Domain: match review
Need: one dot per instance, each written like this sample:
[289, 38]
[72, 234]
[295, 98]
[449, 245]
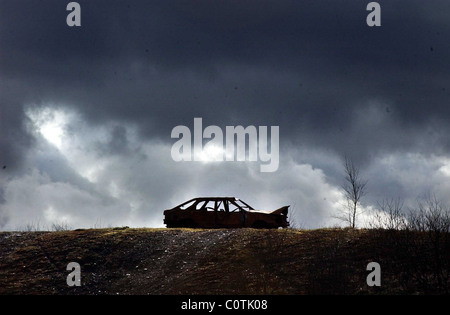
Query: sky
[86, 113]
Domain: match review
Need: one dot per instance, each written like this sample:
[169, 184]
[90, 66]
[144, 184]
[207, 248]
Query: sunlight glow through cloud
[50, 123]
[211, 153]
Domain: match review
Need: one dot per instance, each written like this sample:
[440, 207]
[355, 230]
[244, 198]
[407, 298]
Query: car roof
[216, 199]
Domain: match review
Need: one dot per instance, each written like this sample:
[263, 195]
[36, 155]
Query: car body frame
[223, 212]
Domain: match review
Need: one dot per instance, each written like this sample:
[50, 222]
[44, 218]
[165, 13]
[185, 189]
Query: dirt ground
[195, 261]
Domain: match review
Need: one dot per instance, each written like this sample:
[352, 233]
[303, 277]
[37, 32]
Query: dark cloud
[314, 68]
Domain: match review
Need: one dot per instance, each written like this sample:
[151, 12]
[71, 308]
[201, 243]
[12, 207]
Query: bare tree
[389, 215]
[429, 245]
[293, 223]
[354, 189]
[60, 226]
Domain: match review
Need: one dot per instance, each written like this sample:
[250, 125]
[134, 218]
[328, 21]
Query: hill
[196, 261]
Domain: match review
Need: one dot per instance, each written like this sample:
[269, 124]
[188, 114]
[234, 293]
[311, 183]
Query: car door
[228, 215]
[203, 214]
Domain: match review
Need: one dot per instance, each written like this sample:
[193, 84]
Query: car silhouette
[223, 212]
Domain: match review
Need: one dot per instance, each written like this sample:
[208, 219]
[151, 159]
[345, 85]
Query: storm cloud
[86, 112]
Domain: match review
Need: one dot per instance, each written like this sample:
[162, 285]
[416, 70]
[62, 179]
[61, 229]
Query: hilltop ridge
[196, 261]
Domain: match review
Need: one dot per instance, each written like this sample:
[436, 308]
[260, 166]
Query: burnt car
[223, 212]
